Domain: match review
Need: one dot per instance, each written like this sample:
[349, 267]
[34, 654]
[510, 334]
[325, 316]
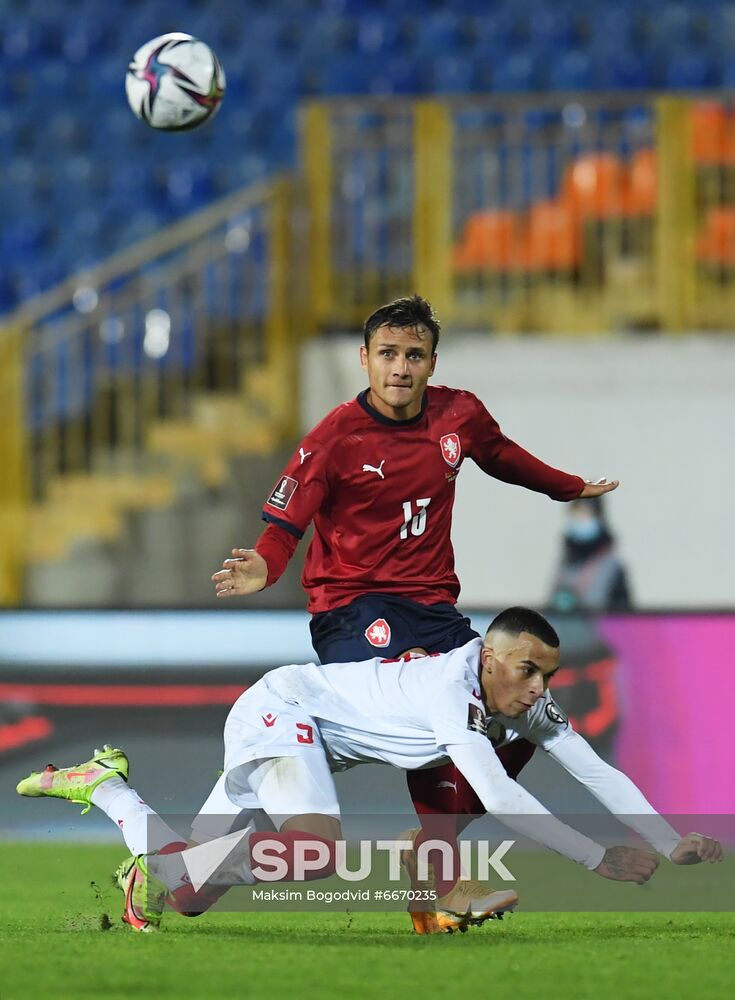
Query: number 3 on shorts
[304, 733]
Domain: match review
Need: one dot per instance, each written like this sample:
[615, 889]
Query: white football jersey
[403, 712]
[414, 713]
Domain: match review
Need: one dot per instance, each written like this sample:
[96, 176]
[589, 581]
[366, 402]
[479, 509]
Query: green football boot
[76, 784]
[144, 895]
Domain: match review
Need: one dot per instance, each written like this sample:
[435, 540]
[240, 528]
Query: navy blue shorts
[385, 625]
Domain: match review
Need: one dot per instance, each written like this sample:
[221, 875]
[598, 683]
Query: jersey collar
[372, 412]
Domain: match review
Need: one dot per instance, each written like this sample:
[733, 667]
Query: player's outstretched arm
[696, 848]
[245, 573]
[598, 488]
[627, 864]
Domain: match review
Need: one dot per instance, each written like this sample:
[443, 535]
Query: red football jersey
[380, 493]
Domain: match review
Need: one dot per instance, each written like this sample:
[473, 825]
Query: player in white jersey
[286, 735]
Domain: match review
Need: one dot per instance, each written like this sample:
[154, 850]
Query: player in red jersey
[377, 479]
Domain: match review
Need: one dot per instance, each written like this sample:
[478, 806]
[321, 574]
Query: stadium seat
[627, 70]
[552, 240]
[594, 186]
[715, 245]
[559, 27]
[490, 241]
[452, 74]
[21, 40]
[518, 71]
[62, 93]
[573, 70]
[347, 75]
[440, 35]
[691, 69]
[713, 134]
[642, 194]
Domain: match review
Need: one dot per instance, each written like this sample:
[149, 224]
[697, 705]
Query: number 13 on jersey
[414, 520]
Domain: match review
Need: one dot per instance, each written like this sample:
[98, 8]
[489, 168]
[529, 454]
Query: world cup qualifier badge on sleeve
[281, 495]
[476, 722]
[555, 714]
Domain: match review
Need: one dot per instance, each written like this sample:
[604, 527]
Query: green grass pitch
[56, 941]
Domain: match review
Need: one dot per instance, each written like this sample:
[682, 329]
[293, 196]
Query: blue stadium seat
[70, 145]
[627, 70]
[24, 237]
[439, 34]
[452, 74]
[518, 71]
[728, 72]
[347, 74]
[21, 40]
[380, 34]
[280, 79]
[689, 69]
[558, 26]
[402, 76]
[506, 29]
[573, 70]
[188, 185]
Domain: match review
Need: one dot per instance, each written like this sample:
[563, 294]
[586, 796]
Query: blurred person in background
[591, 576]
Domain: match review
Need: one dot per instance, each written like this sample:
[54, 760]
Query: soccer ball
[175, 82]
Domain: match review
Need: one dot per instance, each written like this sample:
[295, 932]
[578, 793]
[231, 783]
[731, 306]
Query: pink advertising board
[675, 676]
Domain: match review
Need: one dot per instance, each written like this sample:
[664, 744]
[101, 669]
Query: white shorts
[275, 759]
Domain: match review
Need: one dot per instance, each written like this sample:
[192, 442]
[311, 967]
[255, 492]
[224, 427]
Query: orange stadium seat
[594, 186]
[489, 241]
[642, 190]
[713, 134]
[716, 242]
[553, 238]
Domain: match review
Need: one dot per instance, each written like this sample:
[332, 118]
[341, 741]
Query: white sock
[169, 869]
[217, 816]
[143, 829]
[224, 861]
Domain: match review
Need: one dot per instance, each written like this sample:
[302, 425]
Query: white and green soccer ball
[175, 82]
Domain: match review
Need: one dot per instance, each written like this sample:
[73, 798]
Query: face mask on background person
[587, 529]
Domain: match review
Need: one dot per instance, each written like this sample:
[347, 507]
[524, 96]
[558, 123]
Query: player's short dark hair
[411, 310]
[513, 621]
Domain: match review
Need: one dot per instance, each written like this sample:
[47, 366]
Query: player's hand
[627, 864]
[598, 488]
[695, 848]
[245, 573]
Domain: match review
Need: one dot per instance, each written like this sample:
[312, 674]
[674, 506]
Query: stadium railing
[163, 361]
[554, 214]
[546, 213]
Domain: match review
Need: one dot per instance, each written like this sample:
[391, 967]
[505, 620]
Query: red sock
[514, 756]
[443, 829]
[444, 793]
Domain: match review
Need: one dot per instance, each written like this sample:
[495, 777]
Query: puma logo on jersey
[304, 454]
[372, 468]
[447, 784]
